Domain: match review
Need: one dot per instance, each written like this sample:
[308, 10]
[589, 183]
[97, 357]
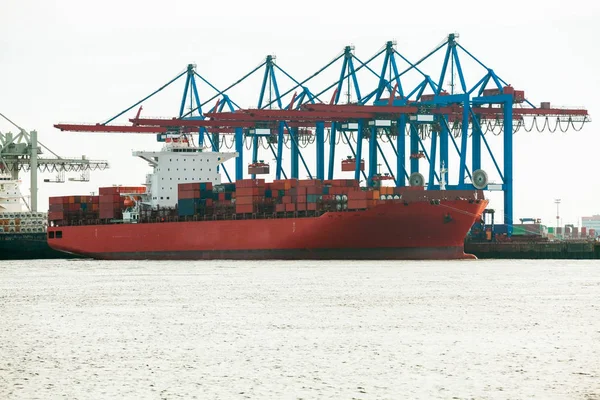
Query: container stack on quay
[571, 233]
[17, 222]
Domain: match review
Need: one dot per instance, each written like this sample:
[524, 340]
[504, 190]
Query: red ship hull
[390, 231]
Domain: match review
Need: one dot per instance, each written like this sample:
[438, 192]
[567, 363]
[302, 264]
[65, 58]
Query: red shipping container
[314, 190]
[286, 199]
[277, 185]
[349, 165]
[183, 187]
[301, 200]
[290, 207]
[107, 214]
[189, 194]
[301, 190]
[287, 183]
[55, 200]
[301, 207]
[341, 182]
[245, 200]
[311, 206]
[248, 183]
[109, 198]
[56, 207]
[209, 202]
[121, 189]
[110, 207]
[359, 195]
[244, 208]
[250, 191]
[309, 182]
[56, 215]
[280, 207]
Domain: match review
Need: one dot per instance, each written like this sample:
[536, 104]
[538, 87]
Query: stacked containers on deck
[194, 198]
[249, 194]
[290, 195]
[337, 193]
[361, 200]
[308, 193]
[112, 202]
[283, 192]
[65, 209]
[583, 231]
[330, 195]
[224, 196]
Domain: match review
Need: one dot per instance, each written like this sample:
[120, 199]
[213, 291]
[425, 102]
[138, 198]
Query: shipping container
[245, 200]
[121, 189]
[349, 165]
[249, 183]
[245, 208]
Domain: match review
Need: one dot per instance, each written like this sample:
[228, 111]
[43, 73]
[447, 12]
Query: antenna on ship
[443, 171]
[21, 152]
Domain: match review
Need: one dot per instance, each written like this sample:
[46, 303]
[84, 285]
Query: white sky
[73, 61]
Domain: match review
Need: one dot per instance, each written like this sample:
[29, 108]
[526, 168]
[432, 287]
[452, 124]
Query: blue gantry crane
[408, 106]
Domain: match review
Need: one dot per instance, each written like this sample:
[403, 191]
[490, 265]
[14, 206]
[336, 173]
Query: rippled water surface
[300, 330]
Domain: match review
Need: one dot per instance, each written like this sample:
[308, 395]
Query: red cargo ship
[287, 219]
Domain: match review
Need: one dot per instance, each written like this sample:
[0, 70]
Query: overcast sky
[76, 61]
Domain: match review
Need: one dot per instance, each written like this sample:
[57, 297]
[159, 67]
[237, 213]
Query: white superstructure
[10, 194]
[179, 162]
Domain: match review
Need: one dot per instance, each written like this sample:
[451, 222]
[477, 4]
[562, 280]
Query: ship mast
[21, 152]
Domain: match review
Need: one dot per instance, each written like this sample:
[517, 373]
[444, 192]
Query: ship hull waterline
[391, 231]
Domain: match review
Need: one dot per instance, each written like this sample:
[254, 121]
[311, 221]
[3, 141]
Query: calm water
[291, 330]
